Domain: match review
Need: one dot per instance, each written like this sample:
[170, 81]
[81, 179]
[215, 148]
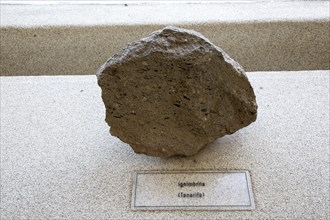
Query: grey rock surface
[173, 92]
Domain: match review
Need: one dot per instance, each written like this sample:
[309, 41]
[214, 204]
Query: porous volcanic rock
[173, 92]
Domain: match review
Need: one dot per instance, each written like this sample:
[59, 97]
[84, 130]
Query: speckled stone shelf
[59, 161]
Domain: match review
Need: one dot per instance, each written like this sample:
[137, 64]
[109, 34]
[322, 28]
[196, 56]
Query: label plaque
[192, 190]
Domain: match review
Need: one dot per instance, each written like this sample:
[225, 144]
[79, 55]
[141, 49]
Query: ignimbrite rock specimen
[173, 92]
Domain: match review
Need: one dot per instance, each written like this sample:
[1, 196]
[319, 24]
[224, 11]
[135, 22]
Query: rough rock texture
[174, 92]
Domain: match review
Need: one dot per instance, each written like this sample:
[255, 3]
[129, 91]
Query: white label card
[192, 190]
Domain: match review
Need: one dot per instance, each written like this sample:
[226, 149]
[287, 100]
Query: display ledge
[66, 13]
[58, 160]
[76, 39]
